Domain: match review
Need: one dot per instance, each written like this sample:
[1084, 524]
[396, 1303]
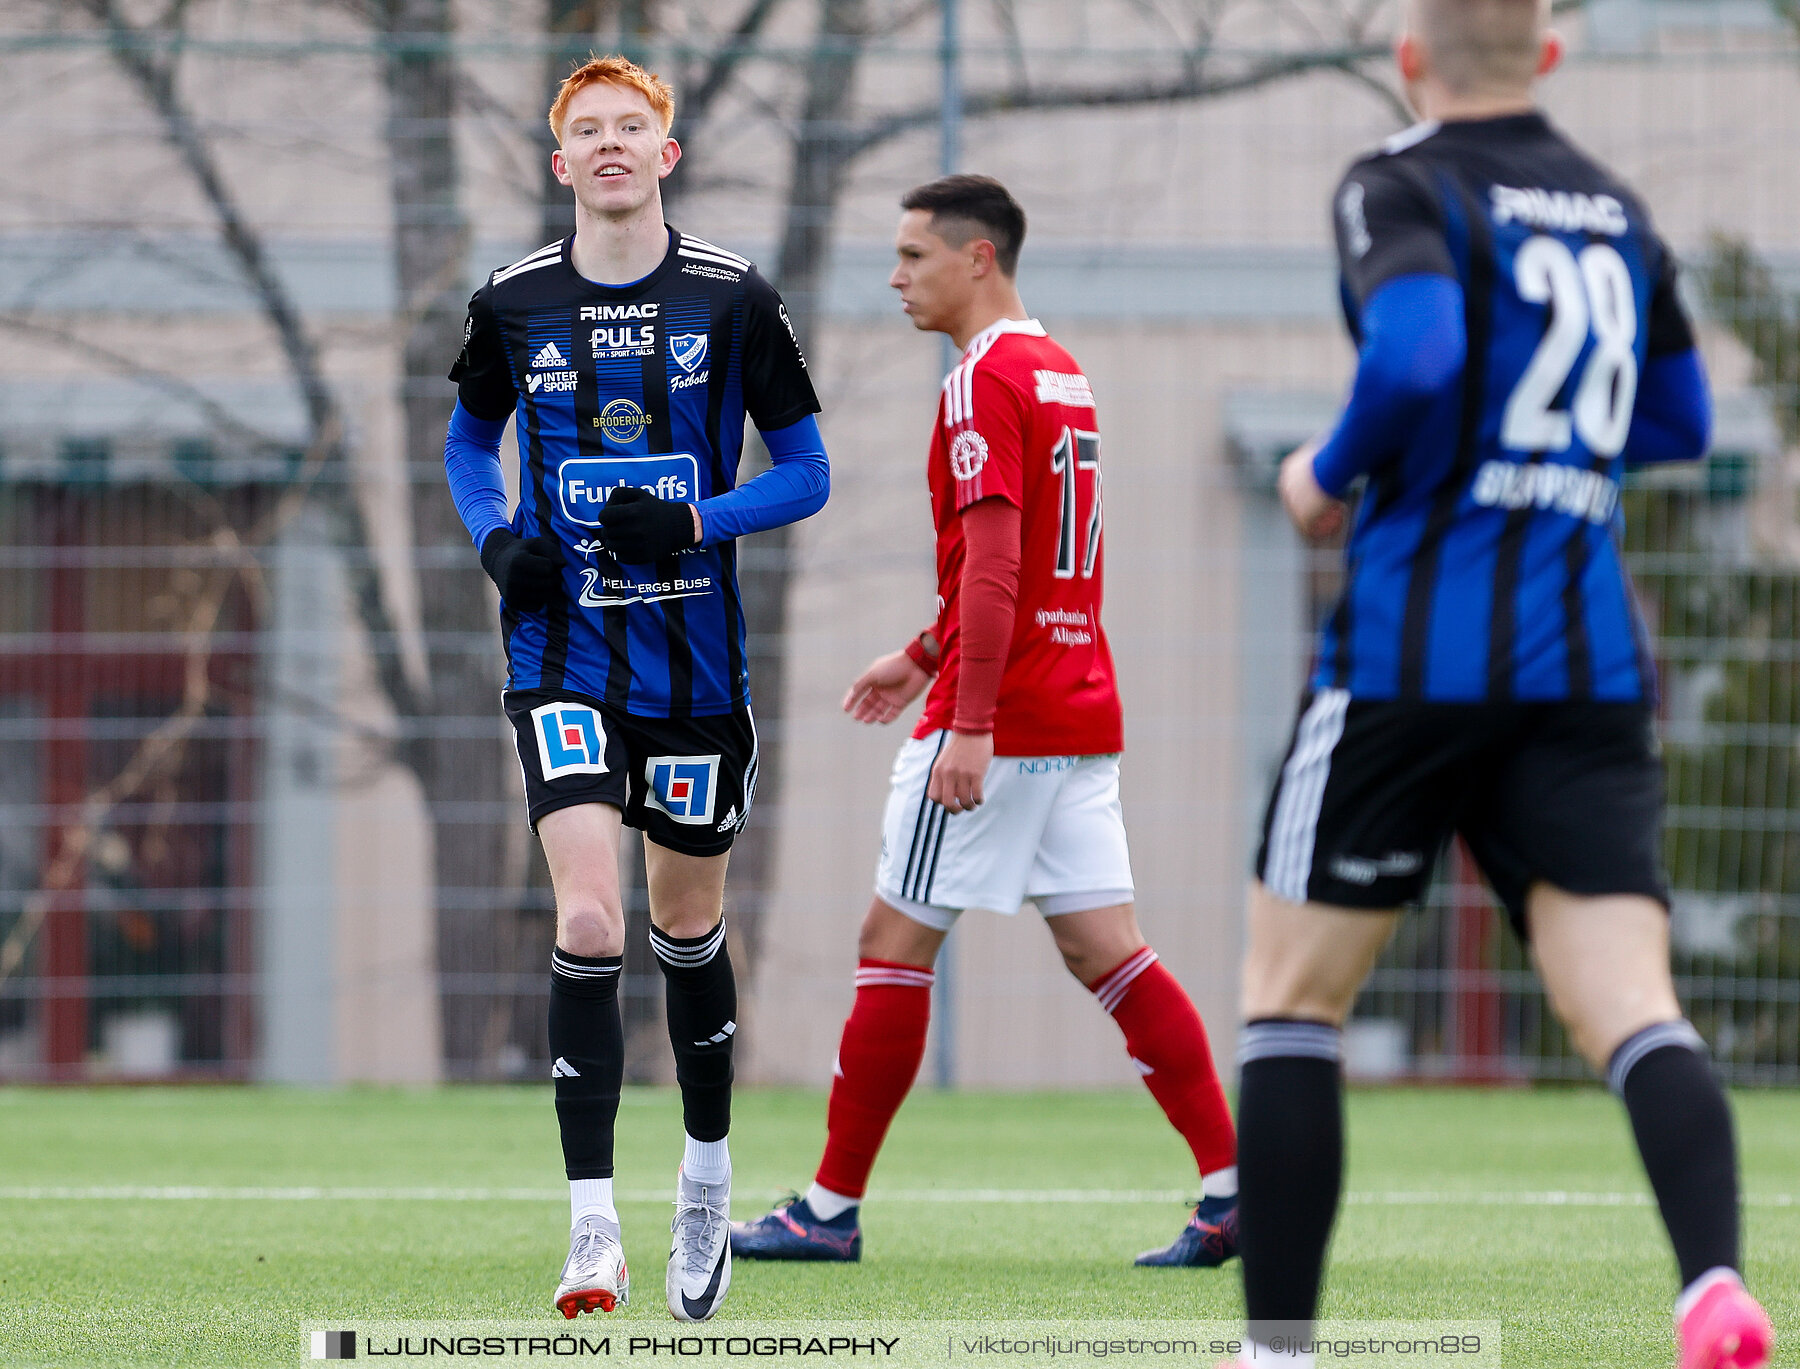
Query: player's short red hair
[618, 71]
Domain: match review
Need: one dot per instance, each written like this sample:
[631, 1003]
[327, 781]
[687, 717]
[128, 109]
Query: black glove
[527, 569]
[637, 527]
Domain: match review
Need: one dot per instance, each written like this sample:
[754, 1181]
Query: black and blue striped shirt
[1537, 302]
[646, 384]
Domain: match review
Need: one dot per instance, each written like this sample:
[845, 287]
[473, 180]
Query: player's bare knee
[590, 930]
[685, 921]
[1599, 1026]
[1278, 984]
[1293, 997]
[889, 934]
[1088, 960]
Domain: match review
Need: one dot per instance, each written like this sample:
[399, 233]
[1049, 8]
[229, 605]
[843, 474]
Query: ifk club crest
[689, 350]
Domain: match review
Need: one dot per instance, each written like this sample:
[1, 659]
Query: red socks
[884, 1043]
[1167, 1042]
[878, 1059]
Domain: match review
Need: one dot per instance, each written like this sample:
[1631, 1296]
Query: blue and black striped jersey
[1484, 563]
[645, 384]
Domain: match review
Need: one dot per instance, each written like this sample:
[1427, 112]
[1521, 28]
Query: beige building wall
[1705, 136]
[1175, 563]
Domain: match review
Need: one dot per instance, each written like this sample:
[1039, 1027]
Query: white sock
[1700, 1286]
[826, 1204]
[1221, 1183]
[706, 1162]
[591, 1198]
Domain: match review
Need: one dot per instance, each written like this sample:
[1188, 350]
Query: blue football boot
[793, 1232]
[1208, 1240]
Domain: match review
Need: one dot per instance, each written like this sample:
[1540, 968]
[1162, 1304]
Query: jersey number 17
[1076, 452]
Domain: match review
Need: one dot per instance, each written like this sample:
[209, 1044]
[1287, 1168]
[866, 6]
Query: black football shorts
[686, 783]
[1567, 793]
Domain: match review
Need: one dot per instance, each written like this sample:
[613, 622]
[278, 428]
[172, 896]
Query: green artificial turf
[222, 1278]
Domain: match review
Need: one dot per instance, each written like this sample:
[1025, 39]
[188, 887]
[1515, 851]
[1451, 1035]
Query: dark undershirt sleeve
[1667, 332]
[778, 392]
[1388, 224]
[483, 378]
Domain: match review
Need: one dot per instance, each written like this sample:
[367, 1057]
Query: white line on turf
[1020, 1196]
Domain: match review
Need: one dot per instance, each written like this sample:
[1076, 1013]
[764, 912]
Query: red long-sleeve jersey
[1016, 422]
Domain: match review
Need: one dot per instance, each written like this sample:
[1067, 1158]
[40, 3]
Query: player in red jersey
[1009, 787]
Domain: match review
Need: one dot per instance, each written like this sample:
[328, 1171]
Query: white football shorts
[1049, 829]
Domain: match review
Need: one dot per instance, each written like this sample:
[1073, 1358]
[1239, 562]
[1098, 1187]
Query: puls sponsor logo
[625, 340]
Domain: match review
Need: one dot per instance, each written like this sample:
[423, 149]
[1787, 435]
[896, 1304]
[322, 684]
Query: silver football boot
[699, 1249]
[594, 1275]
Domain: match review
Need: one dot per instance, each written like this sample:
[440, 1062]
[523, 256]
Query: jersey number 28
[1592, 290]
[1076, 452]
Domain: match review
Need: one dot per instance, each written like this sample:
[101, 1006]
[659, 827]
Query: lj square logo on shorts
[571, 740]
[334, 1345]
[682, 787]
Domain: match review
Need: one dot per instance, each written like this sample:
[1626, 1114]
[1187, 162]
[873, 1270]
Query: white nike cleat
[699, 1249]
[594, 1275]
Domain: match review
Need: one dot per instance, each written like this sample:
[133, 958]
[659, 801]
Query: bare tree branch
[154, 756]
[697, 105]
[1190, 85]
[156, 79]
[1393, 99]
[173, 386]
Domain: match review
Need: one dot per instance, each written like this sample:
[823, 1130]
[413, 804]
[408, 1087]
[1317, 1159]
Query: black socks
[1683, 1128]
[587, 1046]
[1290, 1168]
[1291, 1157]
[702, 1011]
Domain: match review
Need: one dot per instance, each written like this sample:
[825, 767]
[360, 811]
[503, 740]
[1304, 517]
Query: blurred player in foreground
[631, 354]
[1009, 788]
[1486, 671]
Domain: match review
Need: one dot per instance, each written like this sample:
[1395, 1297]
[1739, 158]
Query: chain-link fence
[260, 816]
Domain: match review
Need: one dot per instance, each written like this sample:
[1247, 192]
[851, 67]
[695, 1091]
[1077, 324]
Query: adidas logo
[550, 356]
[724, 1033]
[564, 1070]
[730, 820]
